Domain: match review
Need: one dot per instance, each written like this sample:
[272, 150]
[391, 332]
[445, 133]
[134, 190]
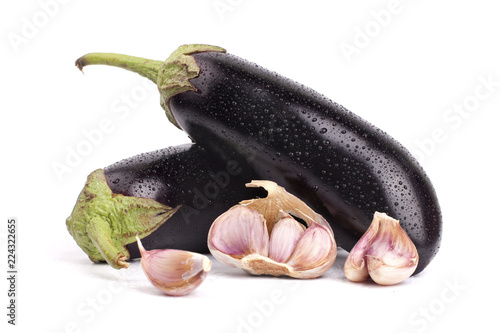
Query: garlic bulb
[174, 272]
[261, 237]
[384, 252]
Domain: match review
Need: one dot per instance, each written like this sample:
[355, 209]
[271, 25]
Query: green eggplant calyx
[103, 223]
[171, 76]
[177, 70]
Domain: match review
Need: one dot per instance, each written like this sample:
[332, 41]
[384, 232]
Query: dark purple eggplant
[339, 164]
[168, 197]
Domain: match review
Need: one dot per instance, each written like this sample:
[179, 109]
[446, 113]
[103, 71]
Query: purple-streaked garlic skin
[232, 234]
[174, 272]
[315, 246]
[355, 268]
[384, 253]
[238, 233]
[261, 236]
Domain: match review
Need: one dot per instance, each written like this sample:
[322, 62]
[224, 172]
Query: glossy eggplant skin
[185, 175]
[339, 164]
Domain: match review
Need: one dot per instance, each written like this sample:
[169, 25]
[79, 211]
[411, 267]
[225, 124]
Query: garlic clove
[392, 256]
[355, 268]
[385, 253]
[174, 272]
[238, 232]
[284, 237]
[315, 252]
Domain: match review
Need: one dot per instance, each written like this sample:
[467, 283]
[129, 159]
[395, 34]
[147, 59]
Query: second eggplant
[168, 197]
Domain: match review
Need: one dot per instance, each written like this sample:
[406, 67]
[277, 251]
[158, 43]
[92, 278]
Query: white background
[411, 65]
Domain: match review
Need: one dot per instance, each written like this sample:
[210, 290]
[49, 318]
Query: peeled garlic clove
[386, 253]
[284, 237]
[174, 272]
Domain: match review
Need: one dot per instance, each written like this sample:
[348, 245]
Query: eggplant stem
[171, 76]
[142, 66]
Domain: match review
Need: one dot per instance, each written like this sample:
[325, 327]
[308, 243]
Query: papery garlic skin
[385, 253]
[174, 272]
[261, 237]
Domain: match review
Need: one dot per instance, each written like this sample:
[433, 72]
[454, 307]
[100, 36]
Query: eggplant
[169, 197]
[336, 162]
